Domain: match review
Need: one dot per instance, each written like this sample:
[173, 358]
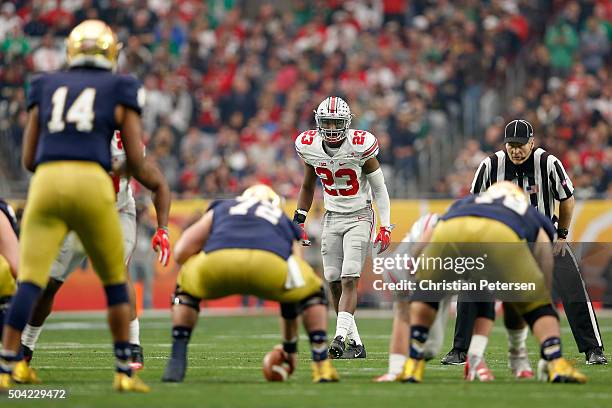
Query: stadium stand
[230, 83]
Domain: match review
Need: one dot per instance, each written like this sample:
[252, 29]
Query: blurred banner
[592, 222]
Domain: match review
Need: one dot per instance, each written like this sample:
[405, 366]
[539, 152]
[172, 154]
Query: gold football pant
[245, 271]
[77, 196]
[508, 258]
[7, 283]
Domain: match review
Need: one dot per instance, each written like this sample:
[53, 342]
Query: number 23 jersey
[345, 186]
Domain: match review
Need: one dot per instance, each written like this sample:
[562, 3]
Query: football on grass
[275, 368]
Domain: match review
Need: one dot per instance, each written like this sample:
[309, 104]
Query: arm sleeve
[34, 93]
[130, 93]
[560, 182]
[381, 196]
[478, 184]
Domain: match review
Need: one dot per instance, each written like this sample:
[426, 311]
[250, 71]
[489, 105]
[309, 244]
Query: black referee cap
[518, 131]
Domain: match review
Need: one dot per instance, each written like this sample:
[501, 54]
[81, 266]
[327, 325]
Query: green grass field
[74, 353]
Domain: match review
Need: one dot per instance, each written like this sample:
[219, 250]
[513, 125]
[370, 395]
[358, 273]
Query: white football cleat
[542, 370]
[476, 368]
[388, 377]
[518, 362]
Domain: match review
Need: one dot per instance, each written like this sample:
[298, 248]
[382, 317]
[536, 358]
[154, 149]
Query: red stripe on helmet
[332, 105]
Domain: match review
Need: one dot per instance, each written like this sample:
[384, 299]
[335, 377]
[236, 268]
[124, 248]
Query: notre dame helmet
[262, 193]
[92, 43]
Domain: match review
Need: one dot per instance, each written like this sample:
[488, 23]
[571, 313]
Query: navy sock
[180, 340]
[22, 304]
[123, 352]
[318, 345]
[551, 349]
[418, 337]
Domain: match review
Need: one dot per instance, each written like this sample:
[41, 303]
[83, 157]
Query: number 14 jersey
[345, 186]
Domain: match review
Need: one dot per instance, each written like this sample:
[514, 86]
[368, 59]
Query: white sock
[478, 345]
[516, 338]
[396, 363]
[30, 335]
[135, 332]
[353, 333]
[344, 323]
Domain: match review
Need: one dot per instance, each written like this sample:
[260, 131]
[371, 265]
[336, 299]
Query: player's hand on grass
[383, 238]
[291, 359]
[161, 245]
[559, 247]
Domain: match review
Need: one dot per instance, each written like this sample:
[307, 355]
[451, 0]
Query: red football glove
[161, 244]
[384, 237]
[305, 240]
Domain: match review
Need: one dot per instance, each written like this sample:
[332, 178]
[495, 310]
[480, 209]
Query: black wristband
[290, 347]
[562, 233]
[299, 216]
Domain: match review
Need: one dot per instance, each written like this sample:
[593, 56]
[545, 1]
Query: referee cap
[518, 131]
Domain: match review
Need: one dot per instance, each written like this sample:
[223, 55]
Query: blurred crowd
[231, 83]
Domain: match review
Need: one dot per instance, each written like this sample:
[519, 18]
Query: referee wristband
[562, 233]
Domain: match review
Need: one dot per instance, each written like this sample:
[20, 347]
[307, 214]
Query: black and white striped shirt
[542, 177]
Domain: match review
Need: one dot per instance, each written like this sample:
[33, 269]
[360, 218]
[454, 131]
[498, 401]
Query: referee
[543, 178]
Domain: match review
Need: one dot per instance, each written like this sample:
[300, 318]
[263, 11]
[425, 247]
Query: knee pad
[116, 294]
[486, 310]
[289, 311]
[5, 302]
[319, 298]
[331, 273]
[182, 298]
[351, 269]
[541, 311]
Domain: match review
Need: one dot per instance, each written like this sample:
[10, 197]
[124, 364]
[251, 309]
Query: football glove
[384, 238]
[299, 218]
[161, 244]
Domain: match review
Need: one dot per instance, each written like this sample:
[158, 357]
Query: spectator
[47, 57]
[562, 43]
[594, 46]
[9, 21]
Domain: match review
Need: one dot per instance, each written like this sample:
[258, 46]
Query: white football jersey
[345, 186]
[125, 196]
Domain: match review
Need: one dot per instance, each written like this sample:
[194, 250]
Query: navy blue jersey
[238, 224]
[10, 215]
[77, 113]
[526, 226]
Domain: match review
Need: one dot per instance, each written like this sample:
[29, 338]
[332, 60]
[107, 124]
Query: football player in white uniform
[345, 161]
[411, 245]
[72, 255]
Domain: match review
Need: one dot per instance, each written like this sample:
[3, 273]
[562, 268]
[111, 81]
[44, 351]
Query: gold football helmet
[262, 193]
[507, 188]
[92, 43]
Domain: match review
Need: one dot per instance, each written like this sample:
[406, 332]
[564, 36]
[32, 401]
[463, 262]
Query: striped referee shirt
[542, 177]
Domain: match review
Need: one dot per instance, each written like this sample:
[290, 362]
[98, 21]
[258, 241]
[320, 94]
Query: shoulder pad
[363, 142]
[130, 92]
[305, 140]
